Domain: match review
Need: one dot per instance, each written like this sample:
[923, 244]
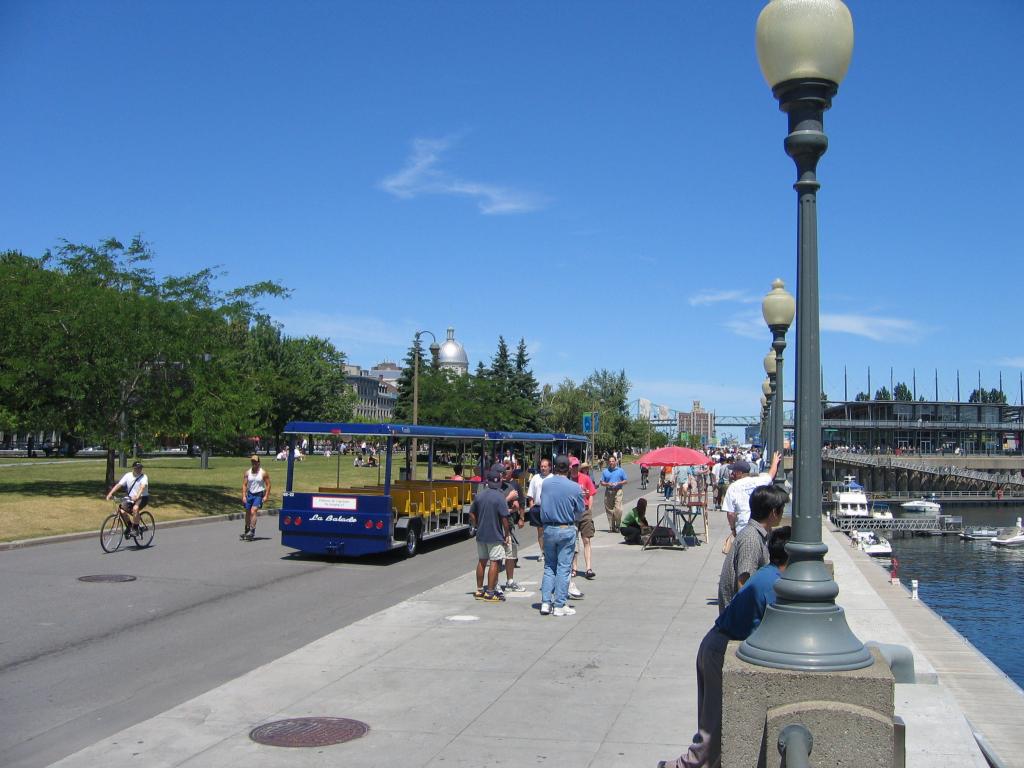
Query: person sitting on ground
[738, 622]
[634, 523]
[750, 550]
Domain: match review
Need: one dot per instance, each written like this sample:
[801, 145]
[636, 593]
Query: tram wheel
[412, 541]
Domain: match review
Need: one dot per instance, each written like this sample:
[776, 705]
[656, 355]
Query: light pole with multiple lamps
[804, 48]
[778, 308]
[435, 351]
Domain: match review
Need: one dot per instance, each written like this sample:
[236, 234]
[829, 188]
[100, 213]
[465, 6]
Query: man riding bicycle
[136, 497]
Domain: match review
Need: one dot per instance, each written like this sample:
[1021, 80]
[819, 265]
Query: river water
[974, 586]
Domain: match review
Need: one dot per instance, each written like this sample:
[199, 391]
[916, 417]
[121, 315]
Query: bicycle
[117, 527]
[643, 481]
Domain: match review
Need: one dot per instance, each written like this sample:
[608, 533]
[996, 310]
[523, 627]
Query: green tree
[115, 354]
[526, 390]
[902, 393]
[883, 394]
[987, 396]
[308, 384]
[862, 397]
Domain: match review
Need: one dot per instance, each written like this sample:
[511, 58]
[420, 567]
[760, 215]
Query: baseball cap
[561, 462]
[494, 475]
[740, 466]
[573, 461]
[137, 464]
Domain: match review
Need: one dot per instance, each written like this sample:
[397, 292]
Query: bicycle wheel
[148, 528]
[112, 533]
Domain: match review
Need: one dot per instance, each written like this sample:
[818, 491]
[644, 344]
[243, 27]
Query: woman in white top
[255, 492]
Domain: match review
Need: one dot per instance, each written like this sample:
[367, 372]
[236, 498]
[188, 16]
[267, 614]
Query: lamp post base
[806, 637]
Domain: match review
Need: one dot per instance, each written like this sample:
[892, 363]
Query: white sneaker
[565, 610]
[513, 586]
[574, 591]
[545, 609]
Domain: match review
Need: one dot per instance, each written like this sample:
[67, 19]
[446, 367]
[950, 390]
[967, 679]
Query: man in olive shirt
[750, 550]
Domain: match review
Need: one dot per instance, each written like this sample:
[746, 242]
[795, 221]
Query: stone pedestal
[849, 714]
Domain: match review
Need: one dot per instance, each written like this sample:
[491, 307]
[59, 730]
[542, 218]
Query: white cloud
[422, 175]
[533, 347]
[749, 325]
[1013, 362]
[873, 327]
[716, 297]
[351, 332]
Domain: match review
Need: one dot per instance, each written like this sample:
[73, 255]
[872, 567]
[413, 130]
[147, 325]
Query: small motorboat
[922, 506]
[1009, 537]
[979, 533]
[874, 545]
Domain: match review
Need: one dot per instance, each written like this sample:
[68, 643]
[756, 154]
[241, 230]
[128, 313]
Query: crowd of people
[558, 504]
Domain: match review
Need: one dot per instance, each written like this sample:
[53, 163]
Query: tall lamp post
[769, 369]
[764, 415]
[766, 433]
[778, 308]
[435, 351]
[804, 48]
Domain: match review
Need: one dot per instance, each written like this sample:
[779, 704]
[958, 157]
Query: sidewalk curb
[63, 537]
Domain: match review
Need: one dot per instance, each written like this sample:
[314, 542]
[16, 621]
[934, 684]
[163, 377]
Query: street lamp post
[764, 414]
[766, 433]
[778, 308]
[435, 350]
[804, 48]
[769, 441]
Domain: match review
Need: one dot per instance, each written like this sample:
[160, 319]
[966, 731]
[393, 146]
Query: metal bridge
[665, 417]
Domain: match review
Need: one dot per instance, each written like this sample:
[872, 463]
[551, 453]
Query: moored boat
[979, 533]
[922, 506]
[874, 545]
[1009, 537]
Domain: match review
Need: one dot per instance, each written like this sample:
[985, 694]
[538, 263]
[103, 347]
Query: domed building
[452, 355]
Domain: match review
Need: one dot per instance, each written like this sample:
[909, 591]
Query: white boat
[982, 533]
[874, 545]
[880, 511]
[849, 499]
[922, 506]
[1009, 537]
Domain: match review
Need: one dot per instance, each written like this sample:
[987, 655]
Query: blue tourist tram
[361, 519]
[382, 516]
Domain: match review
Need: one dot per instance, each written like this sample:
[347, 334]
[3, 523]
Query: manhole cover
[308, 732]
[107, 577]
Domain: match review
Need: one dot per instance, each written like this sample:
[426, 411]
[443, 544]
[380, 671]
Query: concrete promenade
[444, 680]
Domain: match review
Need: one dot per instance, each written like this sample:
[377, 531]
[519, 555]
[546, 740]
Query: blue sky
[606, 180]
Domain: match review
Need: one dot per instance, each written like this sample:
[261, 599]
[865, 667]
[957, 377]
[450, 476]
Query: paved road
[81, 661]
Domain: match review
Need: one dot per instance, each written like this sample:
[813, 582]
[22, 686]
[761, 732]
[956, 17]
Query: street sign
[588, 423]
[597, 421]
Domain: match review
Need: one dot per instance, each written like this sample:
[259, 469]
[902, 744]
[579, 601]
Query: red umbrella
[673, 456]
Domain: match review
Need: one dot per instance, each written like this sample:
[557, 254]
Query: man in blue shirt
[613, 479]
[738, 622]
[560, 508]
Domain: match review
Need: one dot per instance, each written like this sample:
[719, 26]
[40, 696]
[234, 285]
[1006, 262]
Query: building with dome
[452, 355]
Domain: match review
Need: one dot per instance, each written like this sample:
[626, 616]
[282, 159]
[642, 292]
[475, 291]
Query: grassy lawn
[46, 497]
